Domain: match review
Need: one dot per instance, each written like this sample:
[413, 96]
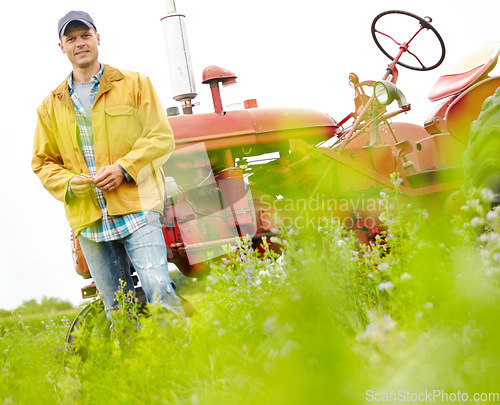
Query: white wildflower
[484, 237]
[487, 194]
[477, 222]
[473, 203]
[485, 253]
[385, 286]
[491, 215]
[388, 322]
[428, 306]
[383, 266]
[288, 348]
[405, 276]
[378, 328]
[271, 325]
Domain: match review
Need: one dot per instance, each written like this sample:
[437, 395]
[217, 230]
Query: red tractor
[232, 168]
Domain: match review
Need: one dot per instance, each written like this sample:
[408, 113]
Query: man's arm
[47, 161]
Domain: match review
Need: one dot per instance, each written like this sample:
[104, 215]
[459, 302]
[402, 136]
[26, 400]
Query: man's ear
[98, 38]
[62, 47]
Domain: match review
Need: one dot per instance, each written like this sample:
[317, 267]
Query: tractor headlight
[386, 92]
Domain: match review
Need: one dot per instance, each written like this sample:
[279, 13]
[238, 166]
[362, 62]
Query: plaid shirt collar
[96, 79]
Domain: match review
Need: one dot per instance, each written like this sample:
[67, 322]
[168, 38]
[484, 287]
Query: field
[412, 318]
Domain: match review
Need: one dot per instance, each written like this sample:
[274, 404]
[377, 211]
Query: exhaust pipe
[179, 58]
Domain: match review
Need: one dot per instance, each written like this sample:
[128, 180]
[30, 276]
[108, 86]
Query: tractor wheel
[91, 320]
[482, 156]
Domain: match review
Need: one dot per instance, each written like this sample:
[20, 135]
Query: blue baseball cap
[73, 15]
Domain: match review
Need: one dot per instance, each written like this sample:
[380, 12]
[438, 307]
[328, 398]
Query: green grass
[324, 324]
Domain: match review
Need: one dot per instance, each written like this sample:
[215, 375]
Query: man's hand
[81, 186]
[109, 178]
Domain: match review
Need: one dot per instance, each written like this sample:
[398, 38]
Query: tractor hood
[251, 126]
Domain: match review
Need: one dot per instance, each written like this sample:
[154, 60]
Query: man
[100, 141]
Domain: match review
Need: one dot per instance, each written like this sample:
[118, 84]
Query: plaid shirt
[109, 227]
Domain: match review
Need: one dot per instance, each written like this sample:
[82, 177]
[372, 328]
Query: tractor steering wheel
[424, 24]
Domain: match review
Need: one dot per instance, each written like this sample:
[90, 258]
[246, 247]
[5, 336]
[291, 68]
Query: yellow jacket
[129, 128]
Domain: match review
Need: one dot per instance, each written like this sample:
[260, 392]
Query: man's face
[80, 45]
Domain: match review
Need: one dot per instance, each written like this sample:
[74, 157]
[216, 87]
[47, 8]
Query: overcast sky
[285, 53]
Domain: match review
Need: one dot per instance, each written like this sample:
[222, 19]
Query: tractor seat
[466, 72]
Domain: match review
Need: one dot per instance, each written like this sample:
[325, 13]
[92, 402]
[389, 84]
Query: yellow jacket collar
[109, 75]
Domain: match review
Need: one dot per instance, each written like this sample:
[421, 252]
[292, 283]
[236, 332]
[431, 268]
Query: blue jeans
[109, 263]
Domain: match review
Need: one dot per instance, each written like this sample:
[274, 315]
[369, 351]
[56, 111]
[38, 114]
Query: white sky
[285, 53]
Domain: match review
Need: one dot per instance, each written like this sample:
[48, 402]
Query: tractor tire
[481, 160]
[92, 321]
[89, 321]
